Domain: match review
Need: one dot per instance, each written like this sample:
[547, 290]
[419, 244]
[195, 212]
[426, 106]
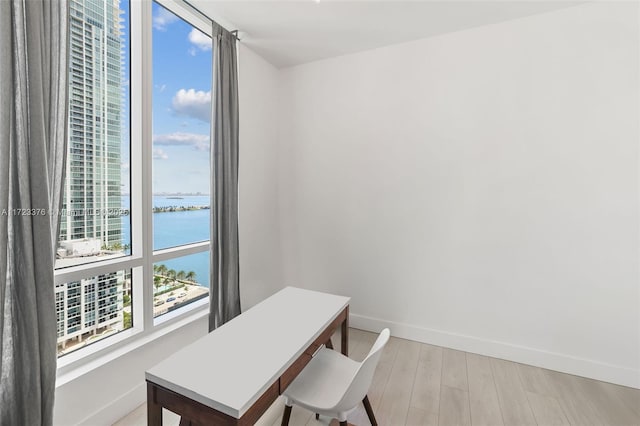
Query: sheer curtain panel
[33, 104]
[225, 270]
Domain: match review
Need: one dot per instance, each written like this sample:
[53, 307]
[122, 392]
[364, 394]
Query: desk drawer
[293, 371]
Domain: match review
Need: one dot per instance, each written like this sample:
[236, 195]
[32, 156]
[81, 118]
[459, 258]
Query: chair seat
[323, 382]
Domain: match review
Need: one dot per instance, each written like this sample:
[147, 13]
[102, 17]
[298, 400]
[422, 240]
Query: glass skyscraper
[93, 193]
[90, 224]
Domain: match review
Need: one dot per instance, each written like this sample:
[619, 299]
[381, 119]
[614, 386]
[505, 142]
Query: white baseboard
[552, 361]
[126, 403]
[115, 410]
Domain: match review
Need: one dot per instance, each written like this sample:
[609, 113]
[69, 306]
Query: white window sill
[84, 360]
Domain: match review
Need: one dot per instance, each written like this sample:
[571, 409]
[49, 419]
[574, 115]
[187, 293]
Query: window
[181, 170]
[124, 244]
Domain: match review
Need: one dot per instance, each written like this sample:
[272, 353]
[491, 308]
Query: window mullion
[141, 70]
[174, 252]
[99, 268]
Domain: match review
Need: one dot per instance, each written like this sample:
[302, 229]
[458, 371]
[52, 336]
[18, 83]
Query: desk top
[231, 367]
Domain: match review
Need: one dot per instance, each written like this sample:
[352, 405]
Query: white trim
[200, 304]
[69, 361]
[136, 155]
[137, 178]
[146, 139]
[180, 251]
[99, 267]
[550, 360]
[81, 366]
[219, 20]
[188, 13]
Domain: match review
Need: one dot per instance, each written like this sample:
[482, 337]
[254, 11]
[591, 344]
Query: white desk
[233, 374]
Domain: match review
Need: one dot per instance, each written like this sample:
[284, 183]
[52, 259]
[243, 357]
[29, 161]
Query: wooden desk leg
[345, 335]
[154, 411]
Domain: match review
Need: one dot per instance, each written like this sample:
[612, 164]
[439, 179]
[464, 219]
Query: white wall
[260, 249]
[109, 392]
[478, 189]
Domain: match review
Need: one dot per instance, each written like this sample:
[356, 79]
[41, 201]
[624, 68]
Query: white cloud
[163, 18]
[200, 40]
[192, 51]
[199, 142]
[192, 103]
[159, 154]
[161, 87]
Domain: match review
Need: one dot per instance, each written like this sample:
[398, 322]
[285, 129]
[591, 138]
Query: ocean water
[172, 229]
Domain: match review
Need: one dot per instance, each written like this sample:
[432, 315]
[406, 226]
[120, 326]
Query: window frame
[145, 327]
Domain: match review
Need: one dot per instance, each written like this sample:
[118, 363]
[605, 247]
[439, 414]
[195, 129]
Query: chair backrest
[363, 377]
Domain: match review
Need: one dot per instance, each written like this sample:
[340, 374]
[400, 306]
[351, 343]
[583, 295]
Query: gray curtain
[225, 270]
[33, 75]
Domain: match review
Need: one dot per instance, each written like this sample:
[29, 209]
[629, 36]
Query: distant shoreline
[167, 209]
[173, 194]
[171, 209]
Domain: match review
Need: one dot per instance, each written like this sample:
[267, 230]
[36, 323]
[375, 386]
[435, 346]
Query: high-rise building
[90, 224]
[93, 192]
[88, 307]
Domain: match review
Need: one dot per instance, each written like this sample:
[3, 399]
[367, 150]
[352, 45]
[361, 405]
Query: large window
[181, 175]
[134, 227]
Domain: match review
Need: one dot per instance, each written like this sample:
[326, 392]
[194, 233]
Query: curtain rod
[204, 16]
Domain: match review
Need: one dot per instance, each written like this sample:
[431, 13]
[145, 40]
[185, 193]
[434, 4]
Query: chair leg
[369, 410]
[317, 416]
[287, 415]
[344, 423]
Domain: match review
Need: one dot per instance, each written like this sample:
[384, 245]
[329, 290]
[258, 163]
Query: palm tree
[166, 281]
[162, 270]
[157, 280]
[171, 273]
[180, 276]
[190, 276]
[155, 268]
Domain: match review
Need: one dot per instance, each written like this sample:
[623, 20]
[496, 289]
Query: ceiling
[288, 33]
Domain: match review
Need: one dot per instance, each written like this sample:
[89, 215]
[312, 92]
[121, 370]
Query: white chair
[333, 385]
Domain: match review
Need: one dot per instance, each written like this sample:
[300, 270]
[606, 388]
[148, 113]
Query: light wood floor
[422, 385]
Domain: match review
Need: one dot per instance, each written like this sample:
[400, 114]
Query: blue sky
[181, 104]
[182, 72]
